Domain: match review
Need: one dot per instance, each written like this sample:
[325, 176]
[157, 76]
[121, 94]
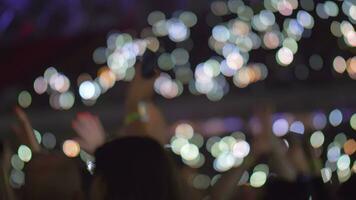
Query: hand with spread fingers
[90, 131]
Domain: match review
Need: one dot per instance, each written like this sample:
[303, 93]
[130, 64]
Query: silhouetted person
[347, 190]
[52, 176]
[133, 168]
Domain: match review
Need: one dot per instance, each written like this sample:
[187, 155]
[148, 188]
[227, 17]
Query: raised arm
[143, 117]
[24, 130]
[90, 131]
[6, 191]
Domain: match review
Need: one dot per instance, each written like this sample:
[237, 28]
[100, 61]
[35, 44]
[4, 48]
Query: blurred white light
[241, 149]
[189, 152]
[87, 90]
[258, 179]
[280, 127]
[344, 162]
[335, 117]
[297, 127]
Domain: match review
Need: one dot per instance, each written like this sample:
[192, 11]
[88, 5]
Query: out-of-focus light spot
[267, 17]
[201, 181]
[24, 99]
[211, 68]
[184, 130]
[316, 62]
[155, 17]
[25, 153]
[350, 146]
[152, 43]
[37, 136]
[99, 55]
[331, 165]
[351, 67]
[291, 44]
[184, 74]
[305, 19]
[241, 149]
[335, 28]
[271, 40]
[344, 162]
[339, 64]
[258, 179]
[106, 78]
[210, 142]
[343, 175]
[234, 60]
[177, 31]
[284, 56]
[224, 162]
[352, 12]
[188, 18]
[297, 127]
[189, 152]
[244, 178]
[197, 139]
[261, 167]
[86, 157]
[280, 127]
[49, 140]
[331, 8]
[66, 100]
[160, 28]
[166, 61]
[346, 27]
[317, 139]
[221, 33]
[239, 135]
[71, 148]
[177, 144]
[180, 56]
[54, 101]
[16, 162]
[219, 8]
[51, 71]
[319, 121]
[326, 174]
[90, 167]
[340, 139]
[333, 153]
[40, 85]
[335, 117]
[320, 11]
[17, 178]
[215, 179]
[83, 77]
[59, 83]
[87, 90]
[197, 162]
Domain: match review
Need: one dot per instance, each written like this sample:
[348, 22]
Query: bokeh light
[317, 139]
[71, 148]
[335, 117]
[280, 127]
[24, 99]
[25, 153]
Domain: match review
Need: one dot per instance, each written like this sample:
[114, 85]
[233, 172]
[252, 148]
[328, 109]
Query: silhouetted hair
[52, 176]
[347, 190]
[136, 168]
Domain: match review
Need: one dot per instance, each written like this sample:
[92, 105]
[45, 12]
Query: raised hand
[90, 131]
[140, 88]
[24, 130]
